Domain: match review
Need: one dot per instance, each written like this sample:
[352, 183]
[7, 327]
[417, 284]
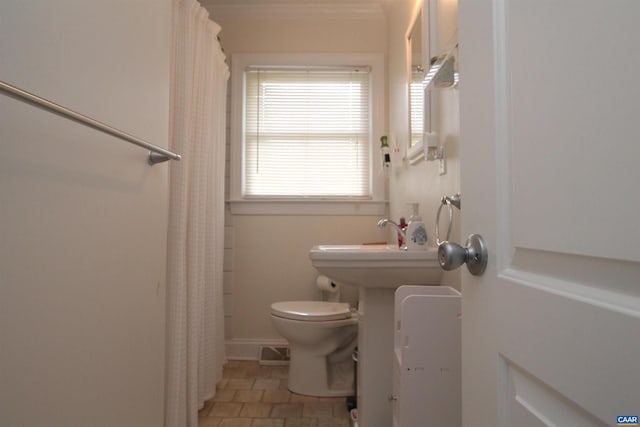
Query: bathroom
[286, 273]
[258, 275]
[55, 229]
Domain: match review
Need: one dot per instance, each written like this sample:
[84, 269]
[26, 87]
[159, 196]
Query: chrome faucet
[402, 230]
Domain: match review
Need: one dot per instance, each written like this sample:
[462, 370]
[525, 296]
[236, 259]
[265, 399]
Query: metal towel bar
[156, 154]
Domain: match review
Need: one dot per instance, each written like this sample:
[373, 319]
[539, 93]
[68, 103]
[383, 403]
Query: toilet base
[314, 376]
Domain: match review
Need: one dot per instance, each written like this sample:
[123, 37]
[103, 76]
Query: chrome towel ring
[450, 202]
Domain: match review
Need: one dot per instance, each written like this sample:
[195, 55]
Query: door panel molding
[611, 284]
[554, 149]
[547, 326]
[532, 403]
[502, 95]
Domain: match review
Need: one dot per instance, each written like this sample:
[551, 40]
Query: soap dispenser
[416, 231]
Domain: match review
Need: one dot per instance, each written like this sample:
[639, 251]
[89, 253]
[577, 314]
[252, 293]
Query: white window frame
[300, 205]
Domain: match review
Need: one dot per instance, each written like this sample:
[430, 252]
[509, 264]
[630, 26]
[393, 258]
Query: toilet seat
[311, 311]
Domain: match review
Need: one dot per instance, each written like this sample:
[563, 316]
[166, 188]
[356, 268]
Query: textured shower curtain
[195, 329]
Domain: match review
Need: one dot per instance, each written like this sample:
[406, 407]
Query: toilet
[322, 336]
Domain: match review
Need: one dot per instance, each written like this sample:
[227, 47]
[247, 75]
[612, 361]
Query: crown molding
[350, 11]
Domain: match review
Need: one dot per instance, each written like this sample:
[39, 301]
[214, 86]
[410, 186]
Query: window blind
[306, 133]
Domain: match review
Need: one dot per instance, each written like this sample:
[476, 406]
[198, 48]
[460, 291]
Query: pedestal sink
[376, 266]
[377, 270]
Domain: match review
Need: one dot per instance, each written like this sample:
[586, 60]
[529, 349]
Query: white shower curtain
[195, 329]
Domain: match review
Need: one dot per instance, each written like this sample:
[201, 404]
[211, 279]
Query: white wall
[82, 216]
[271, 258]
[267, 256]
[421, 182]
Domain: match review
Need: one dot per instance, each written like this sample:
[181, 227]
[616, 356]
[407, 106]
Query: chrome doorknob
[474, 254]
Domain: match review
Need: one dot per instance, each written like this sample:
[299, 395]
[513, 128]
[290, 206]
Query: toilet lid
[311, 310]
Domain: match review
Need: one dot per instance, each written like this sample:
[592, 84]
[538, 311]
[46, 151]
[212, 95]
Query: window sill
[307, 207]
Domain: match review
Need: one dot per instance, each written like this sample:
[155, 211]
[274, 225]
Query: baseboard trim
[249, 349]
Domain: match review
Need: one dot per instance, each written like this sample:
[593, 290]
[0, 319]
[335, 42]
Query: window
[306, 132]
[303, 134]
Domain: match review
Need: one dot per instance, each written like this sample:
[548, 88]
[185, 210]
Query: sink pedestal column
[377, 270]
[375, 356]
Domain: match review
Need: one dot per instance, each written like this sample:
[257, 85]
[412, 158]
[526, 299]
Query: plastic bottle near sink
[416, 232]
[403, 226]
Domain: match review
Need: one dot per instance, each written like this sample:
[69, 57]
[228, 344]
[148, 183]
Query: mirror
[416, 93]
[426, 75]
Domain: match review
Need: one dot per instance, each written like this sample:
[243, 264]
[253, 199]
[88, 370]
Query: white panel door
[550, 148]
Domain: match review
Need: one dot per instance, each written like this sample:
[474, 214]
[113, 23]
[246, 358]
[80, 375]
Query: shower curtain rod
[156, 154]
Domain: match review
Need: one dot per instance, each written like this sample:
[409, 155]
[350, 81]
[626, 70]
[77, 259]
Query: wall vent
[270, 355]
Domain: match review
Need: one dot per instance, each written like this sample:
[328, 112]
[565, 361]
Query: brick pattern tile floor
[253, 395]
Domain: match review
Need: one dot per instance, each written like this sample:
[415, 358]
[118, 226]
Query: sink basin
[376, 266]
